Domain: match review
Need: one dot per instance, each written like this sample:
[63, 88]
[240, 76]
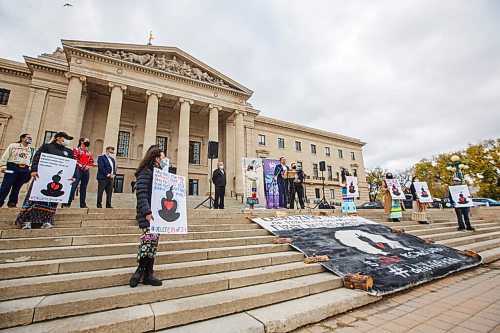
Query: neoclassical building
[132, 96]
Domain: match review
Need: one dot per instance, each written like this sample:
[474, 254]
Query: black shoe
[99, 206]
[423, 222]
[65, 206]
[136, 277]
[471, 229]
[109, 207]
[84, 206]
[149, 275]
[11, 205]
[460, 229]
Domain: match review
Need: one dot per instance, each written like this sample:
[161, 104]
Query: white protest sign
[309, 222]
[352, 187]
[168, 203]
[461, 196]
[394, 189]
[55, 174]
[423, 193]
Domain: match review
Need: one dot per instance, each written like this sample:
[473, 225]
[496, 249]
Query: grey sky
[410, 78]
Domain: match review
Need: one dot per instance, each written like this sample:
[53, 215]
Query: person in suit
[279, 173]
[219, 180]
[106, 172]
[297, 187]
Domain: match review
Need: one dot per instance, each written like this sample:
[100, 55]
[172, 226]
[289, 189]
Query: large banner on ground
[253, 182]
[54, 182]
[270, 183]
[395, 261]
[168, 203]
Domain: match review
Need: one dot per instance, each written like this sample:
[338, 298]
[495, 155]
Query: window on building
[194, 152]
[49, 135]
[353, 156]
[341, 153]
[332, 194]
[315, 170]
[262, 140]
[281, 143]
[162, 142]
[193, 187]
[317, 194]
[298, 146]
[118, 183]
[4, 96]
[313, 148]
[299, 165]
[329, 172]
[355, 172]
[123, 144]
[327, 151]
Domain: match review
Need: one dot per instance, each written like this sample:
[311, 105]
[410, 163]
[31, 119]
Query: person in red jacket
[84, 162]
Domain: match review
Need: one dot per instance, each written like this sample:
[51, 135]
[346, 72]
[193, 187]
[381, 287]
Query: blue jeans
[465, 211]
[12, 182]
[82, 178]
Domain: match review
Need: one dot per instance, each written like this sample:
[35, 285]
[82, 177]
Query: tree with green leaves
[374, 178]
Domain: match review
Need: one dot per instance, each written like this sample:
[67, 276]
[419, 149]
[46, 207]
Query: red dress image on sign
[169, 207]
[351, 188]
[461, 199]
[54, 188]
[424, 193]
[395, 190]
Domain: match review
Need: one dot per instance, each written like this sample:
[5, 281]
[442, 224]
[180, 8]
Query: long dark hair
[148, 159]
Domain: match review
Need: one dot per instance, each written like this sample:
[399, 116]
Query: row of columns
[70, 123]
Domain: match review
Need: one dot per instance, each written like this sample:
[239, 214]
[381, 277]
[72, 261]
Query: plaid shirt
[83, 158]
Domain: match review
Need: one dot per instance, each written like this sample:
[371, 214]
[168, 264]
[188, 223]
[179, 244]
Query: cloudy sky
[409, 77]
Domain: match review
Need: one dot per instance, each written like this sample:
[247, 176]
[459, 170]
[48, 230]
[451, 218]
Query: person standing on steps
[279, 173]
[419, 208]
[84, 161]
[15, 165]
[149, 241]
[463, 213]
[106, 172]
[297, 187]
[219, 180]
[38, 212]
[393, 207]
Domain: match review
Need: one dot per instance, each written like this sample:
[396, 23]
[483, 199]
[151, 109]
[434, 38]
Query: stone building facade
[133, 96]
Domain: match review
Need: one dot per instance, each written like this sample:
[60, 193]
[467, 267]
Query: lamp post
[456, 166]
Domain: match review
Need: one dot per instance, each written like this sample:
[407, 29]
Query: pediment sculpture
[172, 65]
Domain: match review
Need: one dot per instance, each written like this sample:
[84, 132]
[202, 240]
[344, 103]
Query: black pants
[465, 211]
[82, 178]
[283, 192]
[104, 185]
[219, 197]
[13, 182]
[299, 189]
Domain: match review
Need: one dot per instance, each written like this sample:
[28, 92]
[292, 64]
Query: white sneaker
[26, 226]
[46, 225]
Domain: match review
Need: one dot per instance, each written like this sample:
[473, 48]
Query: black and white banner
[395, 261]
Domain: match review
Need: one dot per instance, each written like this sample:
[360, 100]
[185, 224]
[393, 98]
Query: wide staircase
[224, 276]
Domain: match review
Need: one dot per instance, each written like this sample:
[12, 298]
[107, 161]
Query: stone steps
[169, 313]
[82, 264]
[469, 238]
[458, 234]
[423, 232]
[42, 242]
[481, 246]
[68, 282]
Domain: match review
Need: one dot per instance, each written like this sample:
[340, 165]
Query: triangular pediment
[167, 59]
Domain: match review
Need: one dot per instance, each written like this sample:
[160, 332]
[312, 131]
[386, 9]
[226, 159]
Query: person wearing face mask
[84, 162]
[15, 164]
[297, 187]
[393, 207]
[149, 241]
[37, 212]
[106, 172]
[219, 180]
[419, 208]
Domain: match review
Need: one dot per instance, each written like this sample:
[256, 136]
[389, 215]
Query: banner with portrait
[395, 189]
[395, 261]
[253, 182]
[461, 196]
[423, 193]
[168, 203]
[54, 182]
[270, 183]
[352, 187]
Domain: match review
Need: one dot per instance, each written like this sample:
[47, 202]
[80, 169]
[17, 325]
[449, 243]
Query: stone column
[230, 159]
[114, 114]
[151, 119]
[33, 115]
[69, 119]
[213, 135]
[239, 138]
[183, 140]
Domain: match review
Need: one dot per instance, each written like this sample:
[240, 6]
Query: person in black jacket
[149, 241]
[219, 180]
[37, 212]
[297, 187]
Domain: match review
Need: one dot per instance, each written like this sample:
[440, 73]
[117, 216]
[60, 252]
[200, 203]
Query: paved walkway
[464, 302]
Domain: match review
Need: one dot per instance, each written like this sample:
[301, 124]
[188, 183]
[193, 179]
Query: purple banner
[271, 185]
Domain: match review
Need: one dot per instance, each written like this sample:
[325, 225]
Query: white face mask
[66, 143]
